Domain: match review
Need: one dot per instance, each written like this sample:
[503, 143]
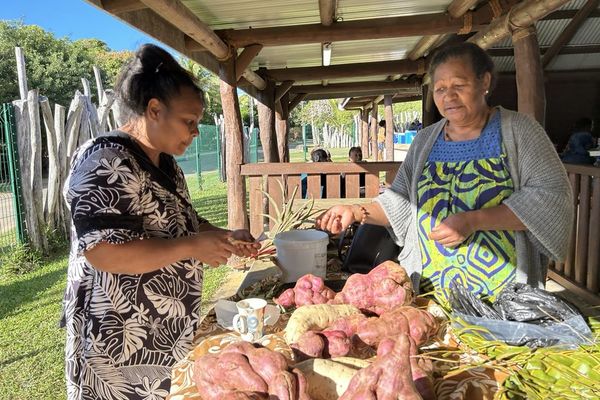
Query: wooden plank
[352, 185]
[583, 220]
[372, 185]
[292, 182]
[121, 6]
[593, 245]
[314, 186]
[570, 261]
[460, 7]
[333, 186]
[283, 89]
[591, 298]
[318, 168]
[297, 99]
[52, 193]
[256, 205]
[274, 189]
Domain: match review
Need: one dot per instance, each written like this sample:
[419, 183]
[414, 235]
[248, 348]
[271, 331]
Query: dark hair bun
[152, 73]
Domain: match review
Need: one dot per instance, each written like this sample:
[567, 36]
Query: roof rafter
[569, 31]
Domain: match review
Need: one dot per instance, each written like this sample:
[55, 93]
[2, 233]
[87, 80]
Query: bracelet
[364, 213]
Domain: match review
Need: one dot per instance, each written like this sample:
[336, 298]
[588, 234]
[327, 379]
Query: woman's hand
[213, 247]
[452, 231]
[336, 219]
[244, 242]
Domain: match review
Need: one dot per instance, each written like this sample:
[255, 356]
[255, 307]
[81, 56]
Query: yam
[315, 318]
[327, 379]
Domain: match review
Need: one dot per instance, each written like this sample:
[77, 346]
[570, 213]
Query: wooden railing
[580, 271]
[270, 177]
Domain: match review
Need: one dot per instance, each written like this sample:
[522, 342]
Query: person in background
[481, 199]
[355, 154]
[316, 155]
[138, 248]
[580, 142]
[380, 140]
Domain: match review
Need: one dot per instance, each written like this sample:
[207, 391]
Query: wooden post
[389, 128]
[266, 123]
[99, 86]
[428, 108]
[374, 125]
[21, 73]
[52, 194]
[236, 186]
[61, 155]
[282, 128]
[364, 132]
[529, 74]
[35, 160]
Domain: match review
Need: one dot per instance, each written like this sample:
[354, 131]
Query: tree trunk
[374, 126]
[389, 128]
[364, 132]
[282, 128]
[236, 187]
[266, 123]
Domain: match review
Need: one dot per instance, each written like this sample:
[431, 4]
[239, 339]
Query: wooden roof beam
[570, 30]
[587, 49]
[245, 58]
[380, 28]
[121, 6]
[327, 10]
[342, 95]
[459, 8]
[356, 87]
[520, 16]
[282, 89]
[348, 70]
[180, 16]
[568, 14]
[299, 97]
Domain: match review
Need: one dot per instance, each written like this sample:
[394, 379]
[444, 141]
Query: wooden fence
[580, 271]
[270, 177]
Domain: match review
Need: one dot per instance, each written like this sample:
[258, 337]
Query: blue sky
[75, 19]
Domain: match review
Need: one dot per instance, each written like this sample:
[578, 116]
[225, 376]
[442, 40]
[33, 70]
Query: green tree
[209, 82]
[53, 65]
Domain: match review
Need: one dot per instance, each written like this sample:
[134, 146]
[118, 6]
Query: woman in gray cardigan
[482, 197]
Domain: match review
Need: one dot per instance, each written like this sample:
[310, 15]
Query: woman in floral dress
[132, 301]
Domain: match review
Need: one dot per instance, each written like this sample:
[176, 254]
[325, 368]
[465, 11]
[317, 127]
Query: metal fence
[204, 154]
[11, 216]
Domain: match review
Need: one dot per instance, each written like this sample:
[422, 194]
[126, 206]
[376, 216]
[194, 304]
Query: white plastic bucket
[301, 252]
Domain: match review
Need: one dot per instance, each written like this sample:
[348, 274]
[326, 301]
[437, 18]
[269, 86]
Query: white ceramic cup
[250, 319]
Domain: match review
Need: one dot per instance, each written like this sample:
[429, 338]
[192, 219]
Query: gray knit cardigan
[542, 197]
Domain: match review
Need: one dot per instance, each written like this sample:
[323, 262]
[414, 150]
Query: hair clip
[158, 67]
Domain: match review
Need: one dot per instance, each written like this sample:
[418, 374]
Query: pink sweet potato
[388, 378]
[309, 289]
[383, 288]
[243, 372]
[324, 344]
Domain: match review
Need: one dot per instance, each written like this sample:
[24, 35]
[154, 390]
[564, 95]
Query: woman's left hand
[452, 231]
[244, 243]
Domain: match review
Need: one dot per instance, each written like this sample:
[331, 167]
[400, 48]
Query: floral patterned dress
[125, 332]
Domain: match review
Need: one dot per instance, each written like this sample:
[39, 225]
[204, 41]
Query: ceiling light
[326, 54]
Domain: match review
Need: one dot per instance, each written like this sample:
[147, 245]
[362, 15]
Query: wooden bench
[272, 177]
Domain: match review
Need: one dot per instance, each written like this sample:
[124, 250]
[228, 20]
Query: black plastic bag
[465, 302]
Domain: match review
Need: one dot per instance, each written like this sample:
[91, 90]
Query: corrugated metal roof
[575, 62]
[239, 14]
[588, 33]
[504, 64]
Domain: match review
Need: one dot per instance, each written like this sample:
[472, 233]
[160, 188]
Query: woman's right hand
[213, 247]
[337, 218]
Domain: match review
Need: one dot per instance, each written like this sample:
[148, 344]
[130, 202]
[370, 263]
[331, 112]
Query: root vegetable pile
[383, 288]
[243, 372]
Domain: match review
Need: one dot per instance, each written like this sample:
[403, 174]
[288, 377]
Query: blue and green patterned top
[458, 177]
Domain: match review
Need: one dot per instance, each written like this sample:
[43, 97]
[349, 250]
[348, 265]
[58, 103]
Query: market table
[474, 383]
